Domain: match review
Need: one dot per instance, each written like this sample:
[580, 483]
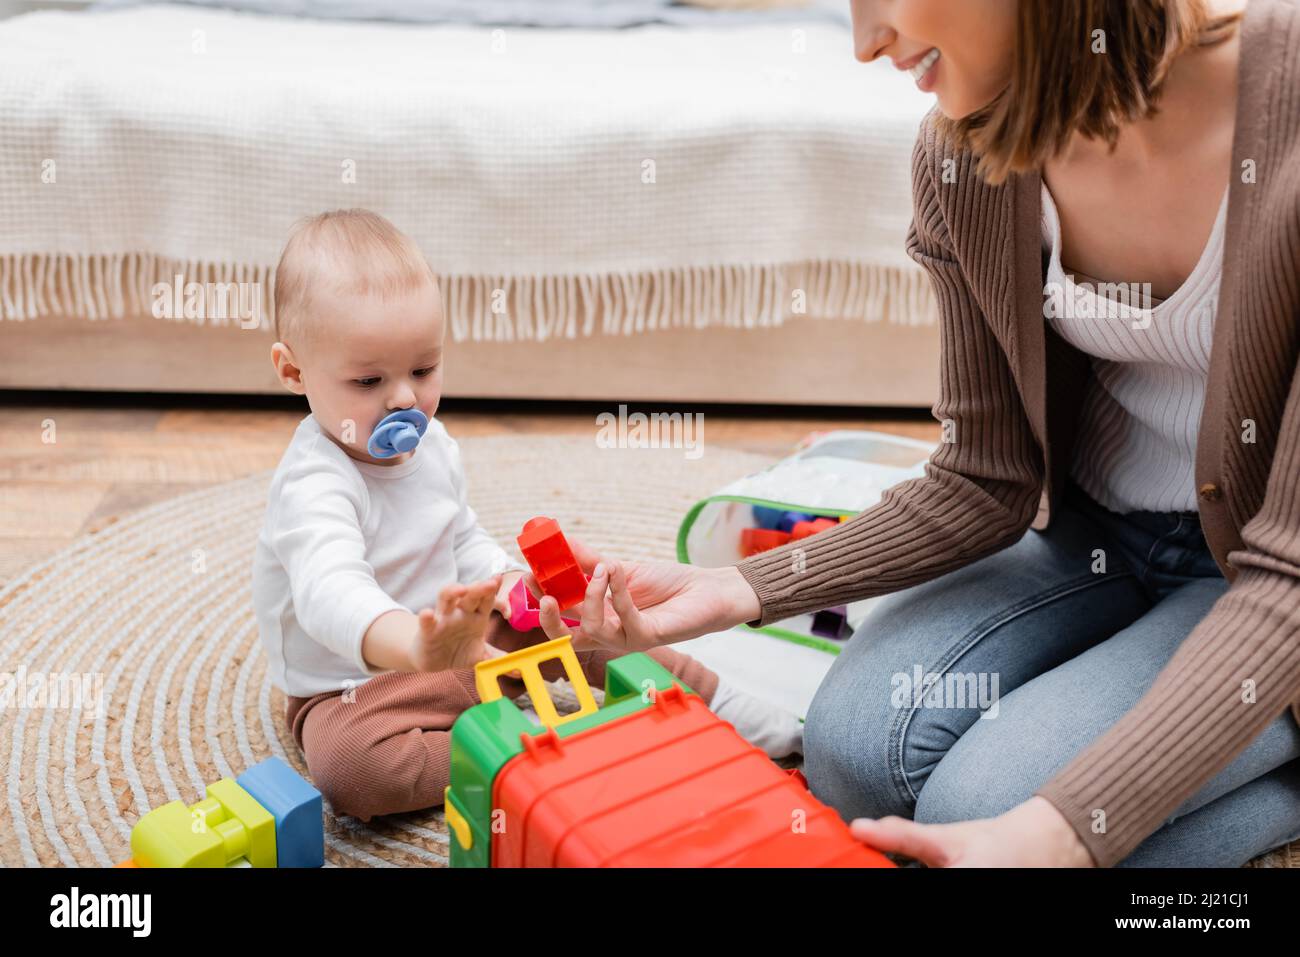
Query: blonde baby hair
[347, 251]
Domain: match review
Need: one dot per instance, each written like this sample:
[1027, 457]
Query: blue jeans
[1061, 633]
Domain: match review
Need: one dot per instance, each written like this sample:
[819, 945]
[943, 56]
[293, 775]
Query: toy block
[789, 520]
[225, 826]
[245, 826]
[554, 566]
[637, 676]
[527, 662]
[164, 838]
[296, 808]
[767, 517]
[525, 612]
[829, 622]
[805, 529]
[755, 540]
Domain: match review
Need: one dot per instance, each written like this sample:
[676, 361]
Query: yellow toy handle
[527, 662]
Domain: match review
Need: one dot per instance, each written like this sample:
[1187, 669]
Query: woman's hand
[632, 606]
[1032, 834]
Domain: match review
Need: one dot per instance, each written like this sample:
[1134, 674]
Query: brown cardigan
[1012, 389]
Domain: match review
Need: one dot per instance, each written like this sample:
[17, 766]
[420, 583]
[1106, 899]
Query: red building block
[755, 540]
[557, 572]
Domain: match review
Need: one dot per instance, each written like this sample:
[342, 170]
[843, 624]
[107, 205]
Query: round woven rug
[156, 608]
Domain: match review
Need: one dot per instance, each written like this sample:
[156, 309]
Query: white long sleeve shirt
[344, 542]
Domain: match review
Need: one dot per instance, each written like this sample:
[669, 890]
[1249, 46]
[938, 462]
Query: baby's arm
[451, 638]
[316, 534]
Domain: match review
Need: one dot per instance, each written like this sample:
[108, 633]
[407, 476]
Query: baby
[375, 587]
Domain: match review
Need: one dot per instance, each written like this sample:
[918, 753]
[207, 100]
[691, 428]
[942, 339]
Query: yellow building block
[527, 662]
[225, 826]
[246, 828]
[168, 836]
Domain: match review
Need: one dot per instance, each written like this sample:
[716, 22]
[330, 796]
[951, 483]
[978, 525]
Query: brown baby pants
[386, 746]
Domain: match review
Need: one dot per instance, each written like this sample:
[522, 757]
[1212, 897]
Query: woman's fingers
[930, 844]
[629, 615]
[550, 618]
[593, 603]
[596, 628]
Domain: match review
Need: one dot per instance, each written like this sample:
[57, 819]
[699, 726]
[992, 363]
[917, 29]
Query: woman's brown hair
[1060, 86]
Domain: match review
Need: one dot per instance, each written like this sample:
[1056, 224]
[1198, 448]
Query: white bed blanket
[560, 182]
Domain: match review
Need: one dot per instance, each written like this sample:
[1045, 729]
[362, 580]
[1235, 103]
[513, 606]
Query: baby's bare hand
[479, 596]
[455, 635]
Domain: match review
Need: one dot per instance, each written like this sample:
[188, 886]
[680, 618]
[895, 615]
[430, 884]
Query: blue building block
[788, 520]
[296, 807]
[765, 517]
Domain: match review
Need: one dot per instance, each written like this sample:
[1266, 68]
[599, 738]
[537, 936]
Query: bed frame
[803, 362]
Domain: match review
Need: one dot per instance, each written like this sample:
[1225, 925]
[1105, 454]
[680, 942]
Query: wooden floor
[72, 462]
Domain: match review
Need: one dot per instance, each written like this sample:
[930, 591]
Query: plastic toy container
[652, 779]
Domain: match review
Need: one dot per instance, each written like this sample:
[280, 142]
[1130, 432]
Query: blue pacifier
[396, 433]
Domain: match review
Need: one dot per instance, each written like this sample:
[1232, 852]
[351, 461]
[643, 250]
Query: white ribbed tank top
[1136, 444]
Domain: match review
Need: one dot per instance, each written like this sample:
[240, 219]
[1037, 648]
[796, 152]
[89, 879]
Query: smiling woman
[958, 51]
[1113, 529]
[923, 71]
[1082, 69]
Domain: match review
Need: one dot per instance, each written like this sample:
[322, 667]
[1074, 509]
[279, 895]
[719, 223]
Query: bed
[693, 212]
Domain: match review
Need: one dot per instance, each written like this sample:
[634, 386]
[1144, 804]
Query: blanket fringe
[481, 308]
